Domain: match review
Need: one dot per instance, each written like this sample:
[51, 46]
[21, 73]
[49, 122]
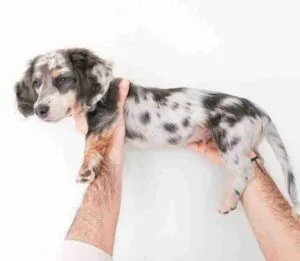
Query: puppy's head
[56, 82]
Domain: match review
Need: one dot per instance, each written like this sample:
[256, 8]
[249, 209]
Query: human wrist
[263, 196]
[259, 174]
[93, 228]
[97, 217]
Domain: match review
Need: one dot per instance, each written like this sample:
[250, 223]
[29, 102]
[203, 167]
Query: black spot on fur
[239, 111]
[25, 94]
[291, 187]
[105, 112]
[230, 114]
[158, 115]
[161, 95]
[133, 93]
[219, 136]
[214, 121]
[236, 192]
[174, 140]
[170, 127]
[26, 97]
[234, 141]
[212, 100]
[186, 122]
[281, 146]
[175, 105]
[134, 135]
[145, 117]
[236, 159]
[82, 62]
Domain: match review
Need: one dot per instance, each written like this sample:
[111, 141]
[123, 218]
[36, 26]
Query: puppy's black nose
[41, 111]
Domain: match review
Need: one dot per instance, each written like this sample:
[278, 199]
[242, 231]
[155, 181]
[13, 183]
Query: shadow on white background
[170, 197]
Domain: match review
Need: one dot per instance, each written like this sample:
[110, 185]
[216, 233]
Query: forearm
[270, 216]
[96, 220]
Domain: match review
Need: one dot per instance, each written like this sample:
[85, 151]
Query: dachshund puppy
[55, 83]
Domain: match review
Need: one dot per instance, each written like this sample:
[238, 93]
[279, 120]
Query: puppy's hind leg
[241, 168]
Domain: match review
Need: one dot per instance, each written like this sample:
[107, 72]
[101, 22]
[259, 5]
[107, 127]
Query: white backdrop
[170, 197]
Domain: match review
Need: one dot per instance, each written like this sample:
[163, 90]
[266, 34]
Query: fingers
[202, 147]
[123, 91]
[208, 149]
[119, 130]
[196, 146]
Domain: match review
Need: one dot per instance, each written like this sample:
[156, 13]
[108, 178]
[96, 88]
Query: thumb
[123, 91]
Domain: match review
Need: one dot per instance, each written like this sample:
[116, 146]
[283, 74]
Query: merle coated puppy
[56, 82]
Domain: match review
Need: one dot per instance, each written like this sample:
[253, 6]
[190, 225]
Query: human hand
[116, 147]
[112, 145]
[207, 149]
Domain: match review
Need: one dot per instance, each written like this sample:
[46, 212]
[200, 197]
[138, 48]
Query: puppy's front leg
[95, 149]
[101, 122]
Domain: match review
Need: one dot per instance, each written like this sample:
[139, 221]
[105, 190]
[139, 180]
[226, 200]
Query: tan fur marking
[95, 148]
[55, 73]
[95, 157]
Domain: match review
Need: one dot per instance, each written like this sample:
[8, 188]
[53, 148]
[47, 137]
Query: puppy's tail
[273, 138]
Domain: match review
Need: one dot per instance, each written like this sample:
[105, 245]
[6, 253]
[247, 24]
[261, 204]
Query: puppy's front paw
[89, 168]
[86, 175]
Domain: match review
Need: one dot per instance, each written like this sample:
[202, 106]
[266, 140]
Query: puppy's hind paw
[86, 175]
[225, 210]
[227, 206]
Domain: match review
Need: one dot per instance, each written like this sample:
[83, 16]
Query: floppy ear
[25, 94]
[94, 75]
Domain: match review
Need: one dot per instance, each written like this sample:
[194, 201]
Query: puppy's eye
[36, 84]
[61, 80]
